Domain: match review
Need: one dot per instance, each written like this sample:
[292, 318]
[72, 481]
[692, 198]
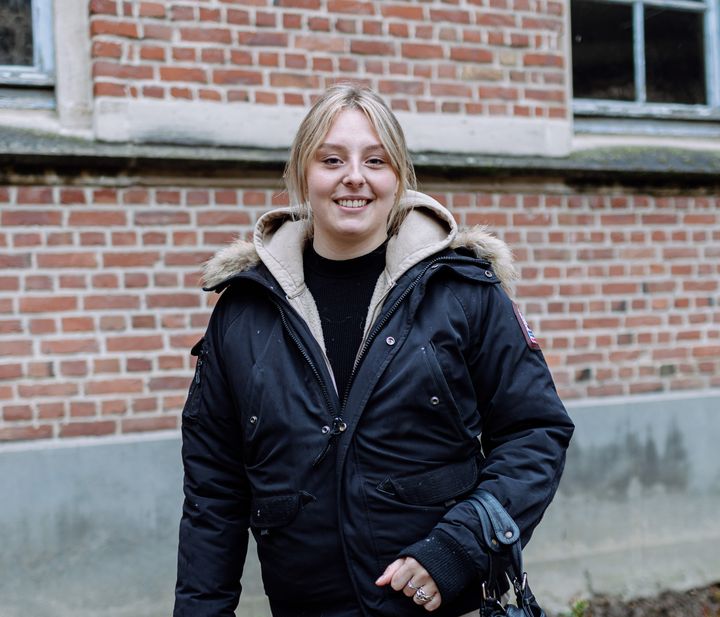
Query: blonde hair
[316, 124]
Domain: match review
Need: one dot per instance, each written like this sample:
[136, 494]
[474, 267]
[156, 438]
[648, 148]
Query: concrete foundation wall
[89, 527]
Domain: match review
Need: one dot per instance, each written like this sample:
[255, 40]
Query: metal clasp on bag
[520, 587]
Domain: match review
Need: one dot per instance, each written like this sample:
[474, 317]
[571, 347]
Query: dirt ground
[703, 602]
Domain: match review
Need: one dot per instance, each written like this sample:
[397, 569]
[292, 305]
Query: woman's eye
[375, 161]
[332, 160]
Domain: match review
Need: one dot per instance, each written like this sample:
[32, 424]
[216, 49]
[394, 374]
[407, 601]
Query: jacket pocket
[441, 486]
[277, 511]
[192, 404]
[444, 398]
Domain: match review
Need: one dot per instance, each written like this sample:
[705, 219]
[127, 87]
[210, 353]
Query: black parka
[450, 393]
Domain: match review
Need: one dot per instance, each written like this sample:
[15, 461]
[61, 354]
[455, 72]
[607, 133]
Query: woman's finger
[390, 571]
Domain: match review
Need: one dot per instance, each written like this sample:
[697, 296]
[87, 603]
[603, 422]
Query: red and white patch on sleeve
[530, 339]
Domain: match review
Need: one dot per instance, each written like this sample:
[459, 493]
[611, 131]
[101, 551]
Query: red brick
[10, 371]
[67, 260]
[105, 302]
[223, 217]
[114, 386]
[31, 217]
[238, 17]
[298, 4]
[103, 7]
[173, 300]
[248, 78]
[183, 74]
[158, 32]
[134, 343]
[22, 433]
[47, 389]
[421, 51]
[371, 47]
[152, 9]
[88, 429]
[125, 29]
[449, 15]
[70, 346]
[47, 304]
[294, 80]
[552, 60]
[102, 68]
[206, 35]
[162, 217]
[351, 6]
[105, 89]
[403, 11]
[133, 425]
[127, 259]
[263, 39]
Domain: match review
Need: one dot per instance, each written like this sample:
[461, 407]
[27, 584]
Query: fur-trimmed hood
[279, 240]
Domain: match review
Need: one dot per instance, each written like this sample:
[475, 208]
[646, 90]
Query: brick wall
[99, 297]
[489, 57]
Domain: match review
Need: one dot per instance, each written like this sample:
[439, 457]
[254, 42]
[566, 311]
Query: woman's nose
[354, 176]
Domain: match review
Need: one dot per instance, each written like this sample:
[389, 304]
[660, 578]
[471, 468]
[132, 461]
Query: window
[26, 53]
[646, 58]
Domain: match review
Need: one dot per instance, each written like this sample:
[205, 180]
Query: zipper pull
[339, 426]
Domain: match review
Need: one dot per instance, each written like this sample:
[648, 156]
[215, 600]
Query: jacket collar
[279, 240]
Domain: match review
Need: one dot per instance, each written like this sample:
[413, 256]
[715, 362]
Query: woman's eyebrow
[331, 146]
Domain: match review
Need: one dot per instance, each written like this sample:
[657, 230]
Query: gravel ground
[703, 602]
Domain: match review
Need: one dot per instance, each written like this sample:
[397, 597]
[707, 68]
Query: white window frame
[641, 108]
[42, 71]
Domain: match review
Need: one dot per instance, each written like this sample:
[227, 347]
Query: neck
[330, 250]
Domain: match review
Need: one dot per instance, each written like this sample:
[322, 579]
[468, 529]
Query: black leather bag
[502, 536]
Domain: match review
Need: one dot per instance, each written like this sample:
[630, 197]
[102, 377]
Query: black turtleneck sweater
[342, 291]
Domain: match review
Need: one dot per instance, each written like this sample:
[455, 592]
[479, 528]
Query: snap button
[325, 430]
[434, 400]
[253, 419]
[341, 427]
[488, 274]
[390, 340]
[508, 534]
[493, 542]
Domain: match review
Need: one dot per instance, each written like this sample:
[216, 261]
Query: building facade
[137, 138]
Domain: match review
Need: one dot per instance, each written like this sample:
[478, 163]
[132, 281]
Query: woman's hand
[407, 575]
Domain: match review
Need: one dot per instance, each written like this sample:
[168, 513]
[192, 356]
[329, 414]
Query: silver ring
[409, 584]
[422, 597]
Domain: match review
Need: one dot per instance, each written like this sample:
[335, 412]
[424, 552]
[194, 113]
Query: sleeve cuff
[450, 566]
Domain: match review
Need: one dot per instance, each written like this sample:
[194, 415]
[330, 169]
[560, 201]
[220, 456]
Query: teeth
[352, 203]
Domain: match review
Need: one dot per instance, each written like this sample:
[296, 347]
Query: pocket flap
[278, 510]
[434, 487]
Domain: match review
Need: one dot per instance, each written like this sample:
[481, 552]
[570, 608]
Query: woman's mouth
[352, 203]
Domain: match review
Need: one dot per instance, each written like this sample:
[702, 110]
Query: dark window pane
[674, 56]
[16, 41]
[602, 49]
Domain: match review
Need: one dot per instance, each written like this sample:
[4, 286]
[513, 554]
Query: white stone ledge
[251, 125]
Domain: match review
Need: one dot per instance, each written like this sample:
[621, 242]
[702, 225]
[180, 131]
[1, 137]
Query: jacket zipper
[338, 424]
[386, 317]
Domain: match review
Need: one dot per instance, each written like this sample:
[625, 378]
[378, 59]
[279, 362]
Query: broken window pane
[602, 50]
[674, 56]
[16, 36]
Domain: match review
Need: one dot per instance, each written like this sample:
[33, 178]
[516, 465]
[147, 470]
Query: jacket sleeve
[525, 433]
[215, 518]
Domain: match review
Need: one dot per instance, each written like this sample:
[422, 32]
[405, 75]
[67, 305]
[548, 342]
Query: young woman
[362, 376]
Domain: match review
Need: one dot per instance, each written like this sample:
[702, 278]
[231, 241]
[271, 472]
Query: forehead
[351, 128]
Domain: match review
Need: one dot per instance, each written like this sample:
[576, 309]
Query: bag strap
[500, 533]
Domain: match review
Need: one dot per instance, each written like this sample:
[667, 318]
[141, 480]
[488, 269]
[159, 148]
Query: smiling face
[351, 188]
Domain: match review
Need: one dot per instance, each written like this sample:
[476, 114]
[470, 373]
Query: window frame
[641, 108]
[42, 71]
